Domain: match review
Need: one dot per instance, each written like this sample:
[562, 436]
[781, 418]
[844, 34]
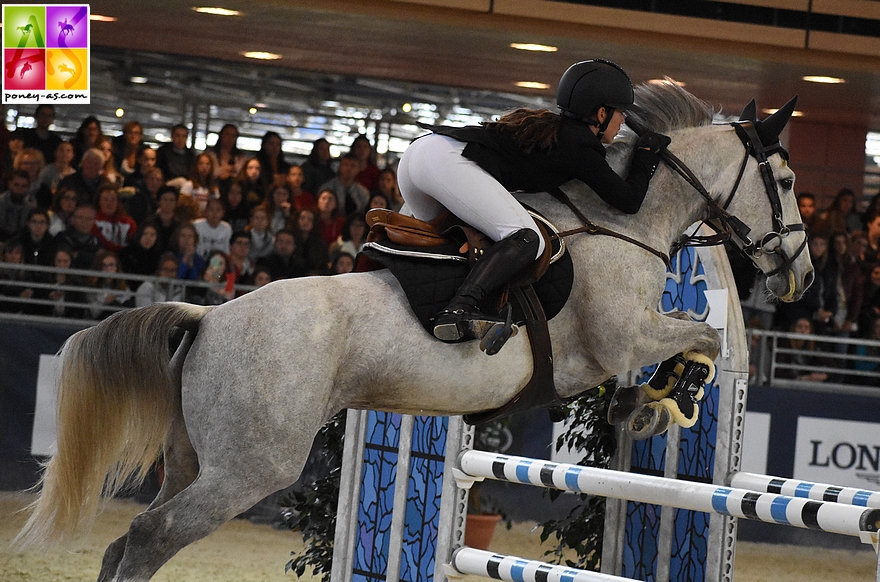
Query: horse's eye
[786, 184]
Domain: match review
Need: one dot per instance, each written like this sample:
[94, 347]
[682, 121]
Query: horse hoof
[649, 420]
[496, 337]
[623, 403]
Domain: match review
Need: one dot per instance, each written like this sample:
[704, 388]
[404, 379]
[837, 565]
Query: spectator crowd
[221, 216]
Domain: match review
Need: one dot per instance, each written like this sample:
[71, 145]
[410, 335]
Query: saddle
[432, 259]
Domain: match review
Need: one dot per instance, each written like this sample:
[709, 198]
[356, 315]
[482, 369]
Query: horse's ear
[750, 112]
[770, 128]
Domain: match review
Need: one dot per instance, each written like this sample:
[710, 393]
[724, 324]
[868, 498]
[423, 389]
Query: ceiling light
[260, 105]
[824, 79]
[261, 55]
[528, 46]
[532, 85]
[252, 110]
[139, 80]
[795, 113]
[102, 18]
[120, 112]
[216, 11]
[406, 107]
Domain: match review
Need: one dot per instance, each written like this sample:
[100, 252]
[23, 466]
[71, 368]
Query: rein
[724, 223]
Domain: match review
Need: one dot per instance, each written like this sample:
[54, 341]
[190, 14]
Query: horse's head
[766, 223]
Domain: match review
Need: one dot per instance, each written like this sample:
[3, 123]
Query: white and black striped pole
[768, 507]
[513, 569]
[806, 489]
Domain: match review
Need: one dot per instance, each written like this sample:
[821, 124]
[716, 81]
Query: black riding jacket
[578, 154]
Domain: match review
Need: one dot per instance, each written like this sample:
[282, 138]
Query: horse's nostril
[808, 278]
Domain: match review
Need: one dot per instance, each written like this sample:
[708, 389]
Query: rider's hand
[653, 142]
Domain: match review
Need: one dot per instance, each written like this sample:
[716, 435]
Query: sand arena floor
[244, 552]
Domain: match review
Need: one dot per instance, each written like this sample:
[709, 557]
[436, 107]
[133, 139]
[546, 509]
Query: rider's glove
[653, 142]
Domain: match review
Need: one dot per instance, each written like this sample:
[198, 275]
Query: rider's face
[617, 120]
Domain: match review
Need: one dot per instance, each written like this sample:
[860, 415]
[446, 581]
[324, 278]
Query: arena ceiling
[376, 55]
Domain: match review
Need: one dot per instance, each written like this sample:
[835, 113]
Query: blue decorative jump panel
[685, 287]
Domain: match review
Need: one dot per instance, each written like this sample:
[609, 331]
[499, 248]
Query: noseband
[726, 224]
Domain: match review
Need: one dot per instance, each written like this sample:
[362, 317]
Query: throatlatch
[671, 395]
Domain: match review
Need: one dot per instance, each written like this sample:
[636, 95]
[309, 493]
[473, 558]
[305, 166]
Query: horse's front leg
[685, 350]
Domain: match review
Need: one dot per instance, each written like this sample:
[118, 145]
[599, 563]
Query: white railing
[775, 362]
[40, 277]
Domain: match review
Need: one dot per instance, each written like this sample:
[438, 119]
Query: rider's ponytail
[531, 128]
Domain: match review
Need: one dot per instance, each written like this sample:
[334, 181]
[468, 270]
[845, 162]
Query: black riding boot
[462, 319]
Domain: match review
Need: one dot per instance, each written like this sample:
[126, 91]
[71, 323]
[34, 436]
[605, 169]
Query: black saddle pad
[431, 276]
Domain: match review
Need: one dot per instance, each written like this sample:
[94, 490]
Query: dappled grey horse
[237, 406]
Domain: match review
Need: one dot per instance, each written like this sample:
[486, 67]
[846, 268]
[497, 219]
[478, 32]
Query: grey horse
[237, 406]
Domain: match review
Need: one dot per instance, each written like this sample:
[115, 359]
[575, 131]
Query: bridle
[726, 224]
[719, 219]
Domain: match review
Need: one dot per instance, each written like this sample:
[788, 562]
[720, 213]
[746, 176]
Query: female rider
[471, 170]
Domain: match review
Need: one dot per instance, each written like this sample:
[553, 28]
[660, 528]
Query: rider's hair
[531, 128]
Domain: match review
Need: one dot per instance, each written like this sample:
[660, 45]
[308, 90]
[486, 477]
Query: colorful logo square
[67, 26]
[27, 69]
[46, 53]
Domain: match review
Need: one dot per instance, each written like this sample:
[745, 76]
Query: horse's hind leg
[214, 498]
[181, 469]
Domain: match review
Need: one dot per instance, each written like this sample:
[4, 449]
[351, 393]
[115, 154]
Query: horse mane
[662, 107]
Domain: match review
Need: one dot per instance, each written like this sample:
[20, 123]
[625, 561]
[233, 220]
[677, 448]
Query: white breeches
[433, 175]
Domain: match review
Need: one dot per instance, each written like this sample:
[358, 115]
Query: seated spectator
[262, 277]
[37, 245]
[870, 308]
[107, 293]
[239, 263]
[88, 178]
[330, 221]
[214, 232]
[272, 158]
[840, 216]
[165, 219]
[351, 196]
[78, 237]
[86, 138]
[165, 290]
[278, 206]
[141, 257]
[851, 282]
[14, 206]
[63, 299]
[175, 159]
[31, 160]
[128, 146]
[236, 210]
[253, 182]
[142, 203]
[13, 281]
[191, 264]
[201, 186]
[262, 241]
[310, 243]
[228, 159]
[40, 137]
[353, 237]
[318, 168]
[62, 167]
[377, 201]
[342, 263]
[111, 173]
[113, 227]
[299, 197]
[63, 205]
[222, 288]
[807, 357]
[386, 185]
[872, 251]
[368, 172]
[284, 262]
[807, 208]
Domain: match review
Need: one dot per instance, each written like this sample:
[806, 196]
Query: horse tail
[116, 399]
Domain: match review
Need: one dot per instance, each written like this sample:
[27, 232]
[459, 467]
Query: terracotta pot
[479, 529]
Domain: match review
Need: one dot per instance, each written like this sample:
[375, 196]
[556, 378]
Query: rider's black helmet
[588, 85]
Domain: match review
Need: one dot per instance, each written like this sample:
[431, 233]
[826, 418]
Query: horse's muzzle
[787, 287]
